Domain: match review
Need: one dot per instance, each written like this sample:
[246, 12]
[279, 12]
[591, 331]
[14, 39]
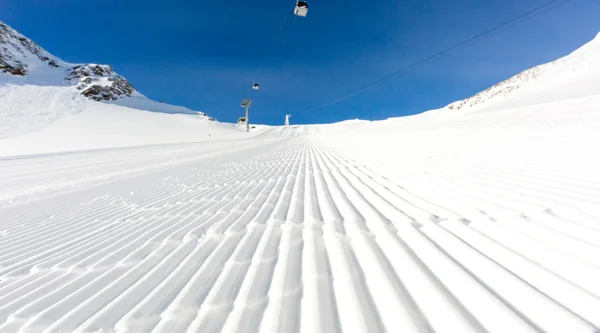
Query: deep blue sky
[204, 54]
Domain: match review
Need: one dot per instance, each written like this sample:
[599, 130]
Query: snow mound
[101, 126]
[352, 121]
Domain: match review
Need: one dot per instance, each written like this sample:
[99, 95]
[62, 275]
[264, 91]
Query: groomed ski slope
[434, 223]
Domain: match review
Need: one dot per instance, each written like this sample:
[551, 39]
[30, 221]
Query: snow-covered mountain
[37, 87]
[21, 57]
[47, 104]
[576, 75]
[18, 53]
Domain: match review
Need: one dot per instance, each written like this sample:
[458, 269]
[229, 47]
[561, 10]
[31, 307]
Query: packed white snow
[471, 219]
[396, 226]
[101, 126]
[27, 108]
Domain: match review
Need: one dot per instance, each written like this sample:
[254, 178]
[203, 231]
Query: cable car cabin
[301, 8]
[255, 86]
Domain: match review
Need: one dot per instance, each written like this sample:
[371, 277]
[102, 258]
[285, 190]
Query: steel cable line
[437, 55]
[266, 64]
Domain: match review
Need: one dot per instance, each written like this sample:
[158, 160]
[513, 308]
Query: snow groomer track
[299, 234]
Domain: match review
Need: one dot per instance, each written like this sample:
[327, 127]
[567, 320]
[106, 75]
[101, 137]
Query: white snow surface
[42, 120]
[103, 126]
[28, 108]
[479, 223]
[481, 220]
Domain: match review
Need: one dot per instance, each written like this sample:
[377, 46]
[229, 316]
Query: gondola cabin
[301, 8]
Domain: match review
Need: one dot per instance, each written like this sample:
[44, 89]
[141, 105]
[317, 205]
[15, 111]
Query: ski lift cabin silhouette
[301, 8]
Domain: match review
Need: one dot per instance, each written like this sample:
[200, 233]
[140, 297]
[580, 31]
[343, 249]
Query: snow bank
[105, 126]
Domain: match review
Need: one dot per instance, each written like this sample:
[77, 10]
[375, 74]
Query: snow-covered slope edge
[574, 76]
[102, 126]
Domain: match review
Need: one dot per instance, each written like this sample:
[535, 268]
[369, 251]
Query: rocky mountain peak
[21, 57]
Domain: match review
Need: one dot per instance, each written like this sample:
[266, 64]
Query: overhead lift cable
[301, 9]
[267, 62]
[437, 55]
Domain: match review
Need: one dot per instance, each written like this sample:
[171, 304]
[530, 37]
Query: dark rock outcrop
[12, 42]
[19, 69]
[97, 82]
